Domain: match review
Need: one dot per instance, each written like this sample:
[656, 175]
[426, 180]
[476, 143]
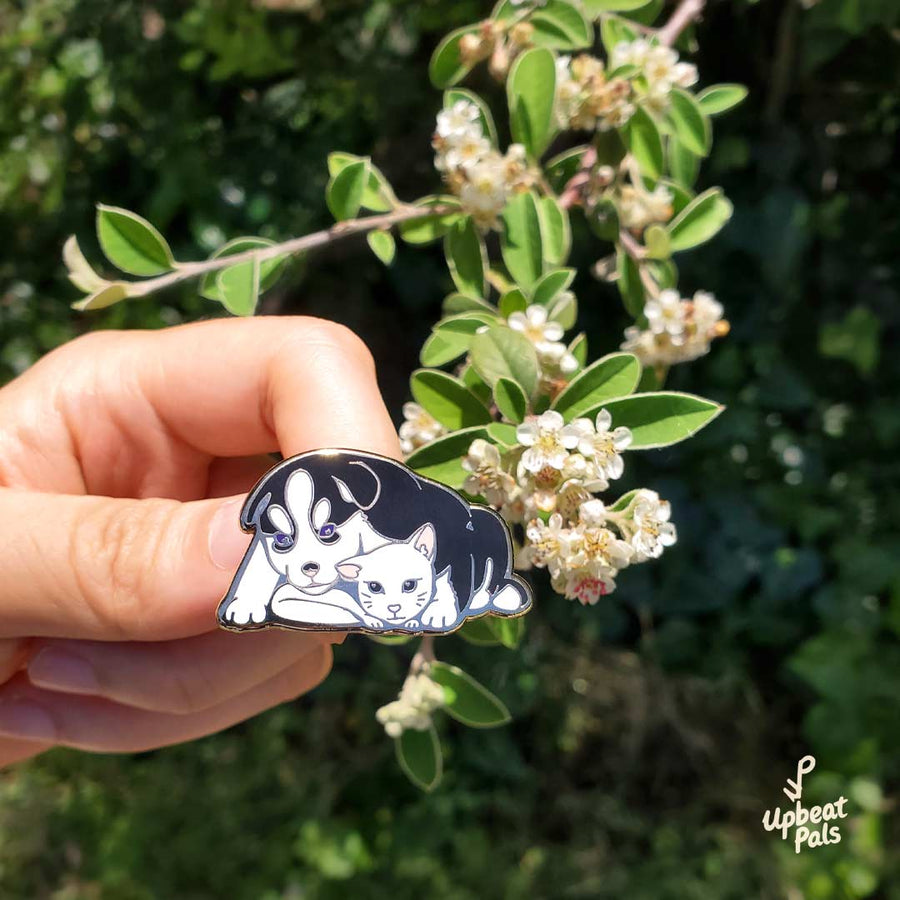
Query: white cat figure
[397, 583]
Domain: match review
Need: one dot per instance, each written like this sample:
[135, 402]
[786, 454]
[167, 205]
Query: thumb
[112, 569]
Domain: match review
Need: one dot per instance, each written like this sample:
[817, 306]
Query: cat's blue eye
[410, 585]
[375, 587]
[283, 541]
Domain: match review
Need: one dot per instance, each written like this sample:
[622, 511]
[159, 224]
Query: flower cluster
[585, 555]
[639, 208]
[478, 174]
[419, 698]
[678, 330]
[659, 68]
[419, 428]
[587, 98]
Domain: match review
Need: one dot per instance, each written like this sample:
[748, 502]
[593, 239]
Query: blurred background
[651, 732]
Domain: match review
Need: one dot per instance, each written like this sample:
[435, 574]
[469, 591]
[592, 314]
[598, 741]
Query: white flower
[419, 698]
[420, 428]
[484, 193]
[536, 326]
[585, 587]
[653, 531]
[466, 152]
[546, 542]
[602, 445]
[487, 478]
[458, 120]
[548, 440]
[666, 315]
[593, 512]
[707, 312]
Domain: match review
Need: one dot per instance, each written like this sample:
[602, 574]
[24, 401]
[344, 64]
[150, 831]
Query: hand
[123, 461]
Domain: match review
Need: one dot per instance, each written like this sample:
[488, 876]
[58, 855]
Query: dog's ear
[321, 512]
[298, 495]
[349, 569]
[425, 541]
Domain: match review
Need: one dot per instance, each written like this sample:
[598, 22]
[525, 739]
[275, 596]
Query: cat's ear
[425, 541]
[348, 569]
[320, 513]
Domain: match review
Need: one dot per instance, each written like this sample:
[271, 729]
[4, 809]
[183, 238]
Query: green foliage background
[651, 732]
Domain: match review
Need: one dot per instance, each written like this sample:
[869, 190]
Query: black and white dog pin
[351, 541]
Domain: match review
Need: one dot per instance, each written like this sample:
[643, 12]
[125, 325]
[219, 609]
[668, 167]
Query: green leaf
[476, 384]
[520, 242]
[466, 258]
[111, 293]
[681, 195]
[269, 270]
[691, 125]
[629, 283]
[719, 98]
[441, 459]
[565, 311]
[656, 240]
[238, 287]
[80, 272]
[502, 434]
[345, 190]
[510, 400]
[560, 25]
[461, 303]
[556, 234]
[471, 703]
[479, 632]
[641, 136]
[624, 500]
[551, 285]
[390, 640]
[452, 336]
[579, 348]
[616, 375]
[683, 164]
[700, 220]
[513, 301]
[131, 243]
[531, 88]
[446, 67]
[594, 8]
[447, 399]
[378, 195]
[454, 95]
[501, 352]
[662, 418]
[614, 30]
[420, 758]
[383, 245]
[510, 630]
[431, 227]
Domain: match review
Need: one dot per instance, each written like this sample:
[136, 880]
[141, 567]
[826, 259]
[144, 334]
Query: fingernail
[227, 543]
[22, 719]
[59, 670]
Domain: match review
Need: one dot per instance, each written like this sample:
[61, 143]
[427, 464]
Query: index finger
[242, 386]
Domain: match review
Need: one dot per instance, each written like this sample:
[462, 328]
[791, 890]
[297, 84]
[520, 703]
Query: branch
[685, 13]
[286, 248]
[639, 255]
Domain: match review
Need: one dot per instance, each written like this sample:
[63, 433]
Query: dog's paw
[245, 612]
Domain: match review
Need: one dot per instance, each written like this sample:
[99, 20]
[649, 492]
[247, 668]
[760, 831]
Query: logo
[812, 826]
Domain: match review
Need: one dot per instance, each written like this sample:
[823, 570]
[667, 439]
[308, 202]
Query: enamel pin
[351, 541]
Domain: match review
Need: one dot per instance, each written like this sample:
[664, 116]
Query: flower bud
[521, 34]
[499, 64]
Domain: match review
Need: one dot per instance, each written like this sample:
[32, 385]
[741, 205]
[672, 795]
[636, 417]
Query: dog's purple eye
[283, 541]
[328, 533]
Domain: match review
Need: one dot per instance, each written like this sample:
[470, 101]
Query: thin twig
[286, 248]
[424, 655]
[639, 254]
[685, 13]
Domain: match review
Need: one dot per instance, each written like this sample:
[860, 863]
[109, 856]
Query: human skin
[124, 458]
